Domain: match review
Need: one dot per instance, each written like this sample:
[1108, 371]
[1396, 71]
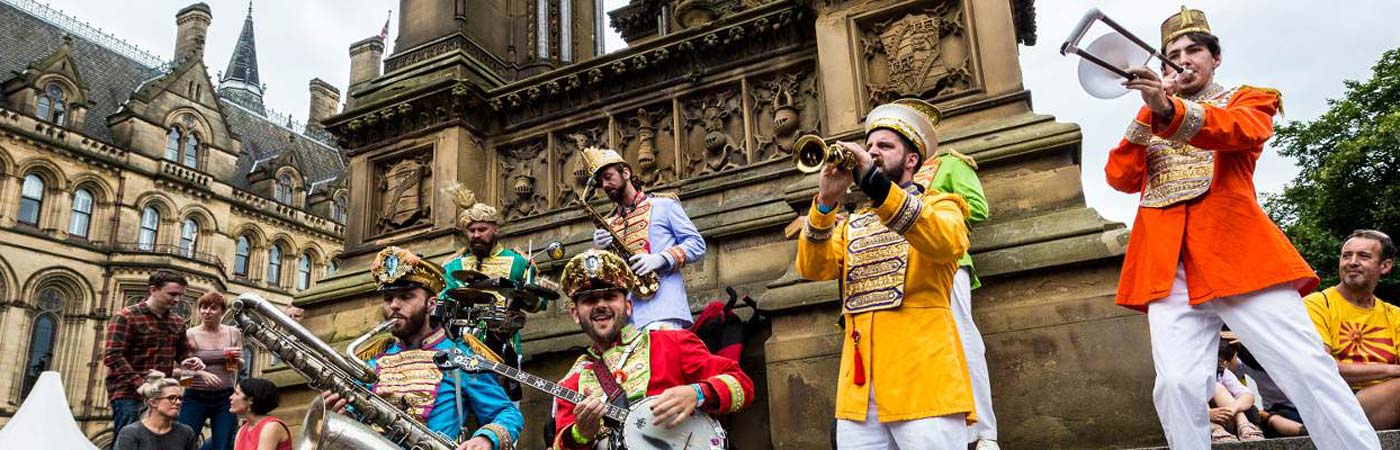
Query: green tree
[1350, 179]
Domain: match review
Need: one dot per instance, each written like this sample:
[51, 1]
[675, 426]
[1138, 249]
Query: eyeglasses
[172, 398]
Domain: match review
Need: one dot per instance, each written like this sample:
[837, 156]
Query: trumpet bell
[810, 153]
[1114, 49]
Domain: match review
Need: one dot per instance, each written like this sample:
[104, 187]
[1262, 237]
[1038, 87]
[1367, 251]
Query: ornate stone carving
[922, 53]
[694, 13]
[569, 163]
[785, 107]
[401, 191]
[648, 138]
[523, 166]
[712, 121]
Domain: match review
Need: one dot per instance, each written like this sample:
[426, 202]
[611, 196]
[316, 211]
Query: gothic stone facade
[111, 169]
[706, 103]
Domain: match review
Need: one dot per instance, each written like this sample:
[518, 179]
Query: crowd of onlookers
[166, 382]
[1359, 330]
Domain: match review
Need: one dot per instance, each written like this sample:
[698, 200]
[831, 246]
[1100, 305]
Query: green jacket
[958, 177]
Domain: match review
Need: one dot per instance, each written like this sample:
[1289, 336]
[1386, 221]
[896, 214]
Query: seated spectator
[157, 429]
[1361, 331]
[1279, 417]
[1232, 404]
[253, 399]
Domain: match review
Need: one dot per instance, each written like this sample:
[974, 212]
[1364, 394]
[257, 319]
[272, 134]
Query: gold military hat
[397, 268]
[912, 118]
[597, 158]
[1186, 21]
[596, 270]
[471, 210]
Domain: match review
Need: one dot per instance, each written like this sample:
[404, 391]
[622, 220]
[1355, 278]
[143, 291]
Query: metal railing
[87, 32]
[169, 249]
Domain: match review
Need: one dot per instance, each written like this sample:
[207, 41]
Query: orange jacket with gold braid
[1198, 204]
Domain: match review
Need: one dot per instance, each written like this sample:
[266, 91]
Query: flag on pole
[384, 32]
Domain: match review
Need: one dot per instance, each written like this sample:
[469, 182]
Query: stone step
[1390, 440]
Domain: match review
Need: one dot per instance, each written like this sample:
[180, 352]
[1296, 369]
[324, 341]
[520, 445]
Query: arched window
[41, 337]
[31, 199]
[338, 209]
[82, 214]
[304, 272]
[240, 257]
[51, 104]
[274, 265]
[150, 225]
[189, 236]
[282, 192]
[172, 144]
[192, 150]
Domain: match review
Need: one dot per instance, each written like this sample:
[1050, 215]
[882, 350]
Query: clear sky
[1303, 48]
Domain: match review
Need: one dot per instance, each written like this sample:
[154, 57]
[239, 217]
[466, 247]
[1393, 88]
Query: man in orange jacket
[1202, 251]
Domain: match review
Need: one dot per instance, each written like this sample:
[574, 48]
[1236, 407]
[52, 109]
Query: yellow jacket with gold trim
[895, 264]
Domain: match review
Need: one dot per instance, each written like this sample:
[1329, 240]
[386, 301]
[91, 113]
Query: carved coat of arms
[402, 193]
[912, 48]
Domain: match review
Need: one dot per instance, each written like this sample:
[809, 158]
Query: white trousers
[930, 433]
[1273, 324]
[976, 353]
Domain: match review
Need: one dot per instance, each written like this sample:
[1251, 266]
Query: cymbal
[469, 276]
[470, 296]
[541, 291]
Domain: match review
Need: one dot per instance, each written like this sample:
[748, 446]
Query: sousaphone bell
[811, 153]
[1106, 60]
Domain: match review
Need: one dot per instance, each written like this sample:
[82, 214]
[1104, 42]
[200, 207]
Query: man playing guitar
[672, 367]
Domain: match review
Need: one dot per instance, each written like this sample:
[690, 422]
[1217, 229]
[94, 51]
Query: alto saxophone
[326, 370]
[647, 285]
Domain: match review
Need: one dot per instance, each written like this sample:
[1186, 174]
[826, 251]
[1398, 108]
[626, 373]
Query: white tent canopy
[44, 420]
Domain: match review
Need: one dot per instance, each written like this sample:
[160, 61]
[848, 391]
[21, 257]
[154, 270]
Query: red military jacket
[1198, 204]
[647, 363]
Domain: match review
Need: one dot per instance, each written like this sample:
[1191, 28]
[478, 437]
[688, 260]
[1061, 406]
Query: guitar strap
[606, 379]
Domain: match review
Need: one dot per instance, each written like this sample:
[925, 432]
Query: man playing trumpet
[896, 259]
[1202, 252]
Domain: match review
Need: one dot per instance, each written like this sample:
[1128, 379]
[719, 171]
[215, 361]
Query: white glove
[645, 264]
[602, 239]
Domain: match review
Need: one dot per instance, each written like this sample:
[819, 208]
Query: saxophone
[648, 284]
[326, 370]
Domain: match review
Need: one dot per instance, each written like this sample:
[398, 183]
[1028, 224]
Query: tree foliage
[1350, 178]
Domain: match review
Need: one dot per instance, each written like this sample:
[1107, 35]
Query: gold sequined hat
[598, 158]
[471, 210]
[398, 268]
[912, 118]
[1186, 21]
[596, 270]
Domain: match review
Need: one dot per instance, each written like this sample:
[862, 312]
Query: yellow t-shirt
[1356, 335]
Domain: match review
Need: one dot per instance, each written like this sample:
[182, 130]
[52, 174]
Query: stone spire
[239, 82]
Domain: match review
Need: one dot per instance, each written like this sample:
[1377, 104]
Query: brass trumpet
[811, 152]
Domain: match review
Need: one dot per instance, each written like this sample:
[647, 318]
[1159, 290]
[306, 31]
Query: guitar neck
[472, 363]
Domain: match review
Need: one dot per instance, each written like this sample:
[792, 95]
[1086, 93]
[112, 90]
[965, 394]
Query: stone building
[114, 164]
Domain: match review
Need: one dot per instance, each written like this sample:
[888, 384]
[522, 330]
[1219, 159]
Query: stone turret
[193, 26]
[325, 102]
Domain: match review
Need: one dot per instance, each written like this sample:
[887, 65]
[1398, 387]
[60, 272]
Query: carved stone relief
[714, 127]
[647, 138]
[922, 53]
[401, 192]
[785, 107]
[569, 164]
[523, 166]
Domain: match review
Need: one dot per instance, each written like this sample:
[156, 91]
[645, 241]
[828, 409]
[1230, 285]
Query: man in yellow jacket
[895, 260]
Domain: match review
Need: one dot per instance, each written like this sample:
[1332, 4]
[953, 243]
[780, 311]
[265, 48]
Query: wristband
[699, 395]
[578, 437]
[825, 209]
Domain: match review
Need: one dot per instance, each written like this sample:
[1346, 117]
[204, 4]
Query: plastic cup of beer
[186, 379]
[232, 357]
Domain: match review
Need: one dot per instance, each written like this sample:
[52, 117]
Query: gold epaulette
[1278, 96]
[668, 194]
[480, 349]
[375, 347]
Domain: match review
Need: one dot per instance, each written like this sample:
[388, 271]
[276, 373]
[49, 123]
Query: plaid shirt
[139, 340]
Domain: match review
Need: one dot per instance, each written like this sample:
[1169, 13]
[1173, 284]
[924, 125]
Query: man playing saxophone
[660, 236]
[407, 375]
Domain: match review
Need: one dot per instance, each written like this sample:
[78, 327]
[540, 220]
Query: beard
[481, 247]
[411, 324]
[615, 194]
[608, 332]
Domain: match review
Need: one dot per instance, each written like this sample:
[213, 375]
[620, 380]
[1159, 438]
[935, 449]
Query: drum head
[468, 276]
[697, 431]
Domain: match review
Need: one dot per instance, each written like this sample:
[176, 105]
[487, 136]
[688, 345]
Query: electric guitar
[633, 429]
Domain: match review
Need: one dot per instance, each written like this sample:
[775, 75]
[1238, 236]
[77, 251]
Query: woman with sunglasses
[157, 429]
[252, 399]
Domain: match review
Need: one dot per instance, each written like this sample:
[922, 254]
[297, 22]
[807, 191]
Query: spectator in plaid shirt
[142, 338]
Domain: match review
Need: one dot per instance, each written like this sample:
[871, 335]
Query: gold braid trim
[1278, 96]
[480, 348]
[375, 347]
[502, 435]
